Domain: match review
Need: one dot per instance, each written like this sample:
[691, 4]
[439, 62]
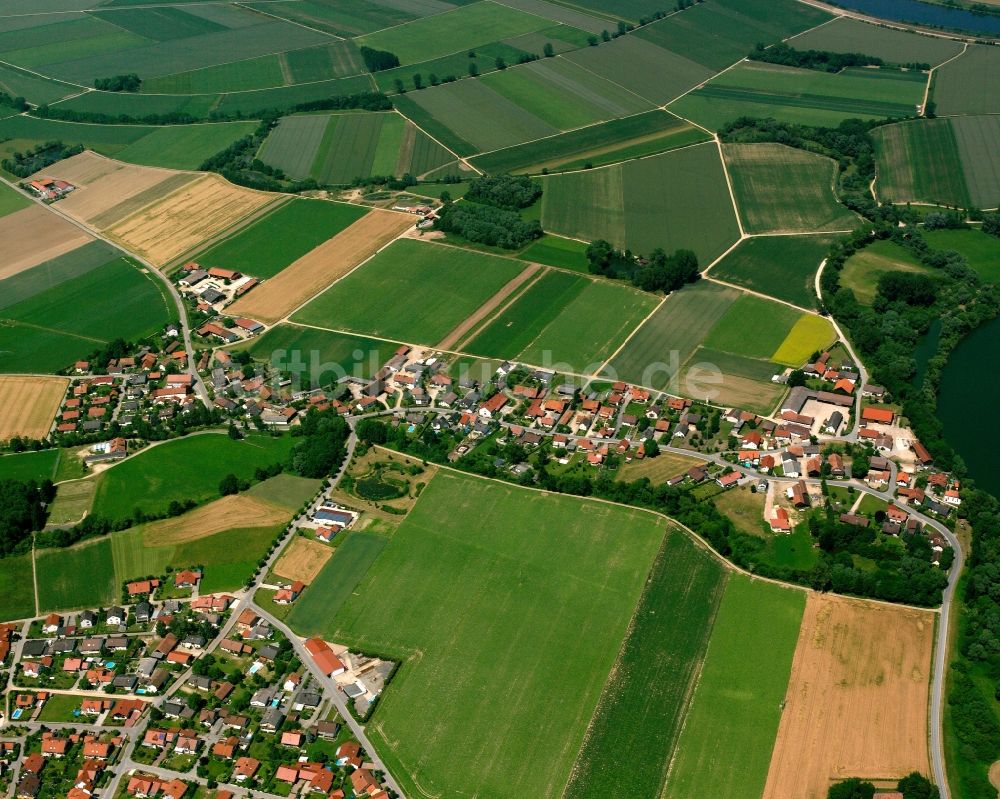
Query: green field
[431, 288]
[33, 88]
[184, 146]
[454, 65]
[679, 325]
[895, 46]
[286, 490]
[721, 33]
[17, 588]
[980, 249]
[802, 96]
[919, 161]
[338, 148]
[336, 582]
[73, 501]
[82, 576]
[566, 318]
[558, 251]
[12, 200]
[29, 465]
[634, 136]
[752, 327]
[76, 316]
[976, 138]
[631, 739]
[186, 468]
[967, 85]
[675, 200]
[783, 267]
[342, 17]
[863, 269]
[284, 235]
[725, 748]
[50, 274]
[296, 350]
[464, 28]
[783, 190]
[497, 595]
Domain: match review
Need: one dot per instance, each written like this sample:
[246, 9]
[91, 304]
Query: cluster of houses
[87, 755]
[212, 289]
[49, 189]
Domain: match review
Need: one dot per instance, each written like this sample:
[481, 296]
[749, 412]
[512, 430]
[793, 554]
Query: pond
[919, 13]
[968, 397]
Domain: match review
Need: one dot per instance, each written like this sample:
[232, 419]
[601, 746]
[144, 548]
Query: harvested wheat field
[28, 405]
[857, 699]
[319, 268]
[33, 236]
[228, 513]
[302, 560]
[109, 190]
[187, 217]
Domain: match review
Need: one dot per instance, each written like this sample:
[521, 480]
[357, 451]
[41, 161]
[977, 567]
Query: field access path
[192, 370]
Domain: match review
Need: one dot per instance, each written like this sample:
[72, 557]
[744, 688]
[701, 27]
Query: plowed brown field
[228, 513]
[303, 559]
[32, 236]
[857, 699]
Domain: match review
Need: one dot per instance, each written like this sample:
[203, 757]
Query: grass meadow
[187, 468]
[431, 288]
[17, 588]
[783, 267]
[336, 582]
[466, 587]
[558, 251]
[320, 357]
[632, 736]
[12, 200]
[783, 190]
[862, 270]
[739, 696]
[981, 250]
[285, 234]
[82, 576]
[38, 466]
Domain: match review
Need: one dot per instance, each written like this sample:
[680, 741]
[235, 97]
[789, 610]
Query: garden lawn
[336, 582]
[186, 468]
[282, 236]
[466, 586]
[17, 588]
[429, 288]
[631, 739]
[783, 267]
[725, 748]
[81, 576]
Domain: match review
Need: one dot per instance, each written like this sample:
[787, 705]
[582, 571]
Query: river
[918, 13]
[968, 398]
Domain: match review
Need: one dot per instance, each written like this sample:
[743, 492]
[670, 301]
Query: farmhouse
[877, 415]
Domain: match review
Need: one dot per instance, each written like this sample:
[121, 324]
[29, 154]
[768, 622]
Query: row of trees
[912, 786]
[119, 83]
[821, 60]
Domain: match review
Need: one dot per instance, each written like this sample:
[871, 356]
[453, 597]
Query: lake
[918, 13]
[967, 400]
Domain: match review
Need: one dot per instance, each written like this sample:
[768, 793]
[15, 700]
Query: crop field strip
[28, 405]
[893, 45]
[780, 189]
[919, 161]
[342, 354]
[725, 748]
[32, 236]
[801, 96]
[632, 204]
[967, 85]
[17, 588]
[458, 546]
[632, 737]
[345, 18]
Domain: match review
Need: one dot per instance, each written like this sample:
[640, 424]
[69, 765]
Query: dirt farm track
[28, 405]
[857, 700]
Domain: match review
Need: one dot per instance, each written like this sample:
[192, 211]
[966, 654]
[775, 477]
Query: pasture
[17, 588]
[981, 250]
[303, 559]
[285, 234]
[320, 267]
[81, 576]
[186, 468]
[432, 288]
[671, 335]
[185, 218]
[336, 582]
[802, 96]
[856, 664]
[463, 28]
[496, 594]
[919, 160]
[616, 140]
[967, 84]
[632, 737]
[563, 318]
[862, 270]
[725, 748]
[40, 465]
[895, 46]
[782, 267]
[28, 405]
[780, 189]
[315, 358]
[679, 199]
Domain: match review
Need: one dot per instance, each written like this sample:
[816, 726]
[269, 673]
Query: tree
[991, 224]
[851, 789]
[652, 448]
[400, 88]
[372, 431]
[549, 50]
[229, 485]
[418, 81]
[377, 60]
[500, 63]
[473, 69]
[916, 786]
[234, 432]
[605, 35]
[796, 378]
[433, 79]
[119, 83]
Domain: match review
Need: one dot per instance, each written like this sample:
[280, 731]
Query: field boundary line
[34, 573]
[623, 161]
[931, 76]
[733, 246]
[42, 75]
[783, 234]
[631, 335]
[19, 323]
[763, 296]
[494, 307]
[461, 159]
[292, 21]
[616, 83]
[729, 185]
